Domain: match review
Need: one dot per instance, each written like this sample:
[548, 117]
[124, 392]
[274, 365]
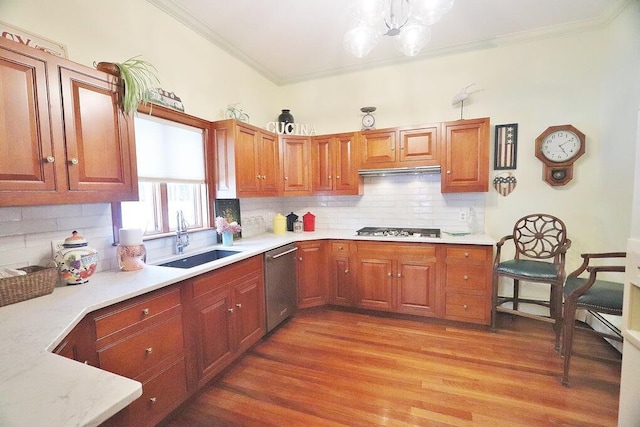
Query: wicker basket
[37, 282]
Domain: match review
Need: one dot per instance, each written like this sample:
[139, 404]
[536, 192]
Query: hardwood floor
[335, 368]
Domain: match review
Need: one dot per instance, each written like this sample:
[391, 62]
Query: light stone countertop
[40, 388]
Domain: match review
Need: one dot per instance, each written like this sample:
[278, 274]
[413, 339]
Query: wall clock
[558, 148]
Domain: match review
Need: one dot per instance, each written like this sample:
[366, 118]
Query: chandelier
[406, 20]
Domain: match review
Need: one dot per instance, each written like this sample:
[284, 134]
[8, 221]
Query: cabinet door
[214, 334]
[322, 159]
[100, 154]
[416, 280]
[311, 280]
[79, 345]
[25, 133]
[296, 159]
[347, 180]
[340, 280]
[419, 146]
[378, 149]
[248, 309]
[375, 280]
[465, 165]
[247, 160]
[269, 165]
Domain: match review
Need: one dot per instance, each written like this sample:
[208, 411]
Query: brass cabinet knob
[50, 159]
[145, 311]
[153, 400]
[346, 271]
[74, 161]
[337, 176]
[464, 306]
[148, 350]
[465, 277]
[448, 172]
[230, 310]
[239, 305]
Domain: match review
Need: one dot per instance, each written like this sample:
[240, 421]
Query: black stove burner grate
[400, 232]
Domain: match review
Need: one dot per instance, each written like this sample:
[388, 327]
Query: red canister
[309, 222]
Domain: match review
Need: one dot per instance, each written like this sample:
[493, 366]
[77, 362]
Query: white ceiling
[295, 40]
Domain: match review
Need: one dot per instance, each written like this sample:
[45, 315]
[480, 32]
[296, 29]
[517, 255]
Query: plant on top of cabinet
[138, 77]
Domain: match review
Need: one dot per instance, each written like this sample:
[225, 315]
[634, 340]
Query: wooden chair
[541, 243]
[593, 294]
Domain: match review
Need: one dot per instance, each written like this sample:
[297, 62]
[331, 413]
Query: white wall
[587, 79]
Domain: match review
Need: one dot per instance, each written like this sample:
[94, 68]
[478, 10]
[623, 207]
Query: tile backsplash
[26, 233]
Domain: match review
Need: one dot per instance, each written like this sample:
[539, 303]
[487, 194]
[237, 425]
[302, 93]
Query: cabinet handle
[230, 310]
[389, 274]
[464, 306]
[329, 177]
[74, 161]
[50, 159]
[399, 275]
[300, 259]
[448, 172]
[393, 147]
[337, 176]
[257, 176]
[153, 400]
[239, 305]
[346, 271]
[466, 254]
[286, 178]
[145, 311]
[465, 277]
[149, 350]
[264, 176]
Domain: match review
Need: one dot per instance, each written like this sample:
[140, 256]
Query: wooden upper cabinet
[419, 146]
[400, 147]
[100, 155]
[25, 134]
[247, 160]
[296, 160]
[63, 136]
[378, 149]
[465, 152]
[335, 165]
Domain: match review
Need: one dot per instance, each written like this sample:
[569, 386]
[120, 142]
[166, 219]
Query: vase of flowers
[227, 230]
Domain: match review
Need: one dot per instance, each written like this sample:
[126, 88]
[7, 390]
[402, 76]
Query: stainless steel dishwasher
[280, 284]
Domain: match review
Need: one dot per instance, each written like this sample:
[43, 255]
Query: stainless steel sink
[199, 259]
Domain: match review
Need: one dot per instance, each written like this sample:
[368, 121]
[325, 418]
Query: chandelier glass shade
[406, 20]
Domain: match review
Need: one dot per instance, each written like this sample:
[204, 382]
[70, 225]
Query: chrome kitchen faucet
[182, 235]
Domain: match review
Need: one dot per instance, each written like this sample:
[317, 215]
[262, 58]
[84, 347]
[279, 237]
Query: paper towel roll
[130, 236]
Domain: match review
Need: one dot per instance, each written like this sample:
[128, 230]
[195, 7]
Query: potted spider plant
[138, 77]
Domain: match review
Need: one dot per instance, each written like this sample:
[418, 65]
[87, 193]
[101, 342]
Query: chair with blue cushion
[540, 244]
[594, 293]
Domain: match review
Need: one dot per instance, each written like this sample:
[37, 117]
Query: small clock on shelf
[368, 121]
[558, 148]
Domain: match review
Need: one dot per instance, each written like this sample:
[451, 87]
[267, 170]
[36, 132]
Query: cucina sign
[282, 128]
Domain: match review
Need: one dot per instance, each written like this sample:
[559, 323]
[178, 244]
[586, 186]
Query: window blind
[168, 152]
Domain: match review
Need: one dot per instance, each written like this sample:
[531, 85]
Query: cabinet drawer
[458, 253]
[467, 308]
[161, 394]
[340, 247]
[143, 311]
[141, 351]
[467, 277]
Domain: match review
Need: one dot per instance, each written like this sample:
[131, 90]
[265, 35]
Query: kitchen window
[171, 163]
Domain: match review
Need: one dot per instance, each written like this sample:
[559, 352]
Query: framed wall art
[229, 209]
[506, 147]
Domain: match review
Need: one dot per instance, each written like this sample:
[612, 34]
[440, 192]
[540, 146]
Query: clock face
[368, 120]
[560, 146]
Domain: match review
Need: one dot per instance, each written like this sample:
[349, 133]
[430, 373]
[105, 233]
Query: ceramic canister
[309, 221]
[76, 261]
[279, 224]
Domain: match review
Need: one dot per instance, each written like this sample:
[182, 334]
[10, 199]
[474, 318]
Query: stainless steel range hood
[418, 170]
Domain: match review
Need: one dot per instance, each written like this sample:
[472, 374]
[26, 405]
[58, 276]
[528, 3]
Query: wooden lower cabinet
[396, 277]
[341, 275]
[312, 289]
[467, 283]
[143, 339]
[228, 316]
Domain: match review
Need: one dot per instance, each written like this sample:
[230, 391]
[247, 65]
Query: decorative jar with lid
[76, 261]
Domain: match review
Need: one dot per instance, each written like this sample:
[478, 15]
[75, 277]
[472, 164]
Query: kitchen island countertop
[38, 387]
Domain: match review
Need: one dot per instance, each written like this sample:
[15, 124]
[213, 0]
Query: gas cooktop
[399, 232]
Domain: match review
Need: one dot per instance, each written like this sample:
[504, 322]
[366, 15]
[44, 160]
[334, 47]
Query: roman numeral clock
[558, 148]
